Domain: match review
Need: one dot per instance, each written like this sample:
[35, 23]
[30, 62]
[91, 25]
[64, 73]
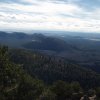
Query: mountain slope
[51, 69]
[82, 51]
[34, 41]
[49, 43]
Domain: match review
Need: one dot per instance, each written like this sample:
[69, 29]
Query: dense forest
[50, 69]
[27, 75]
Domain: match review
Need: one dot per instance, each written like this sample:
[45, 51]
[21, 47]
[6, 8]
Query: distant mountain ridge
[82, 51]
[35, 41]
[49, 43]
[16, 39]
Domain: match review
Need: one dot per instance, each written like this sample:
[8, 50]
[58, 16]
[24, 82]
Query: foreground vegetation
[18, 78]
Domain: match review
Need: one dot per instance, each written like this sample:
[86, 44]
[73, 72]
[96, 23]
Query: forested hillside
[51, 69]
[15, 84]
[83, 50]
[20, 70]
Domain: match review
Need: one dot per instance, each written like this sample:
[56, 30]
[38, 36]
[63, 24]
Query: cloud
[86, 4]
[67, 15]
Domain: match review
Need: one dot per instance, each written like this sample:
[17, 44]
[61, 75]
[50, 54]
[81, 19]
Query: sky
[60, 15]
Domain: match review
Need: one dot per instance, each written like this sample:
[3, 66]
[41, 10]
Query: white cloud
[49, 15]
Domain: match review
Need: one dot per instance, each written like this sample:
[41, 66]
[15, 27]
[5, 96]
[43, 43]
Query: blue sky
[64, 15]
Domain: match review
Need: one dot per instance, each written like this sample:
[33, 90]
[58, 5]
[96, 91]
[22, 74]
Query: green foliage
[62, 90]
[47, 95]
[98, 92]
[15, 84]
[17, 81]
[50, 69]
[29, 89]
[76, 87]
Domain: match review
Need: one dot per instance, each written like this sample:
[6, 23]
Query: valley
[77, 49]
[38, 66]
